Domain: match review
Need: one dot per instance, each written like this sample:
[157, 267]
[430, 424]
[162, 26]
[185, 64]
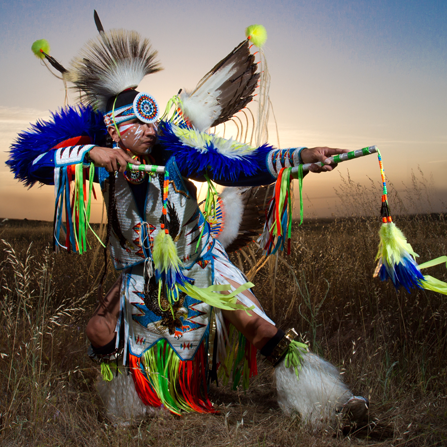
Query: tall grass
[391, 346]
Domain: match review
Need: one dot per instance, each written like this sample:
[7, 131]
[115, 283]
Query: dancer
[175, 273]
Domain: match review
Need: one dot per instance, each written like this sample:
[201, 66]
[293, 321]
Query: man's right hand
[115, 159]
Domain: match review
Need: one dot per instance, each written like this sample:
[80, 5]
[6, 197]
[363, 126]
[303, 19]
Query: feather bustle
[45, 135]
[225, 90]
[111, 63]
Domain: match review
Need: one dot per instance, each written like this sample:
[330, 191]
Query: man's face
[138, 137]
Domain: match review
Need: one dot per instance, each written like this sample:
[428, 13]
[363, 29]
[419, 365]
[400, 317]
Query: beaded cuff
[280, 349]
[283, 158]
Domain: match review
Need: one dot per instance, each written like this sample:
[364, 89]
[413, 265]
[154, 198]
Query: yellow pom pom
[39, 45]
[393, 244]
[257, 34]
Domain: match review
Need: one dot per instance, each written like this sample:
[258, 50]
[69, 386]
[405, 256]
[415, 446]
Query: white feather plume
[233, 209]
[202, 108]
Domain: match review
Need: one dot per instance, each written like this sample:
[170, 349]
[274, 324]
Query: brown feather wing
[237, 91]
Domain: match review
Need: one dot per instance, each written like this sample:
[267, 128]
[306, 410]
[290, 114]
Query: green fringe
[106, 371]
[82, 208]
[235, 364]
[210, 206]
[161, 365]
[294, 356]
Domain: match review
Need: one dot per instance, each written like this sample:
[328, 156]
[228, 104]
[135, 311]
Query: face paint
[135, 130]
[138, 137]
[125, 127]
[138, 131]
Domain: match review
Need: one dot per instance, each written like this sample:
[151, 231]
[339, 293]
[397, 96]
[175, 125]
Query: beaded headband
[144, 108]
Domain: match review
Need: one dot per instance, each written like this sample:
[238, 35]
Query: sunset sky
[344, 74]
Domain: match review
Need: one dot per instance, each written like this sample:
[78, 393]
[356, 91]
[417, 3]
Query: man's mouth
[150, 140]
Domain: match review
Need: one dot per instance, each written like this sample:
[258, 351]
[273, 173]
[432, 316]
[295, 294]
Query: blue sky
[344, 74]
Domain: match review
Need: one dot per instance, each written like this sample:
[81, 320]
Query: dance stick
[341, 157]
[148, 168]
[335, 159]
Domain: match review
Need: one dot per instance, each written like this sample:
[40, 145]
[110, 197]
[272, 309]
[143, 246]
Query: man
[175, 272]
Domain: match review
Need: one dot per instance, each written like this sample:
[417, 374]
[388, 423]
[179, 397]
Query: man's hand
[315, 154]
[111, 159]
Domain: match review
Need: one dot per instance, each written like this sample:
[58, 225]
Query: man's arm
[42, 168]
[231, 163]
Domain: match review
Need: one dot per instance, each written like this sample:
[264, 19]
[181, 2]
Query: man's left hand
[316, 154]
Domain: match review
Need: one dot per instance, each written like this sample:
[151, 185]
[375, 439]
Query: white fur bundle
[233, 209]
[120, 399]
[316, 395]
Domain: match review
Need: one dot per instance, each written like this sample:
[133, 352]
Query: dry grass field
[391, 346]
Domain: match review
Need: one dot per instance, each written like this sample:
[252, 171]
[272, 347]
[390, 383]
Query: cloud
[437, 161]
[17, 115]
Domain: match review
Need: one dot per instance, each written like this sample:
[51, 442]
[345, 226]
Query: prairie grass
[391, 346]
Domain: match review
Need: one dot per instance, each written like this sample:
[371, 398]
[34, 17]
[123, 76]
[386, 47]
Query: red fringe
[192, 382]
[144, 390]
[251, 355]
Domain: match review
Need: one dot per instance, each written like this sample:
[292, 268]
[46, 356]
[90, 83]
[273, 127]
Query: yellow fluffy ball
[38, 45]
[257, 34]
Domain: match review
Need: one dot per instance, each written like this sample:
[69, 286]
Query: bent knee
[100, 331]
[262, 332]
[257, 330]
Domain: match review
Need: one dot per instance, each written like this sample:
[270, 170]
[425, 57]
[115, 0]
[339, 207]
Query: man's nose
[149, 129]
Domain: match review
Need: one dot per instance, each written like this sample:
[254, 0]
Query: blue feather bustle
[404, 274]
[67, 123]
[195, 162]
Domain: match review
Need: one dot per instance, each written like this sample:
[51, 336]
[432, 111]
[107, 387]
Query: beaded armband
[280, 350]
[105, 358]
[283, 158]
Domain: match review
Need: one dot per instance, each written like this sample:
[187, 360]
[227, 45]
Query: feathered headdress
[115, 61]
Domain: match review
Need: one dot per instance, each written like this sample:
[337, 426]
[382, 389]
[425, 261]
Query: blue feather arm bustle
[194, 162]
[68, 122]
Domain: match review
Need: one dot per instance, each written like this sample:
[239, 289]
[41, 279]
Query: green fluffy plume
[257, 34]
[165, 259]
[393, 244]
[39, 45]
[165, 253]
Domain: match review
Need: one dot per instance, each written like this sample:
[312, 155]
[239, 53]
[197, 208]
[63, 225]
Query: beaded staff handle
[341, 157]
[147, 168]
[336, 159]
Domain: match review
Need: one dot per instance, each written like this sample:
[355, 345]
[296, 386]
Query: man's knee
[99, 331]
[257, 330]
[262, 331]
